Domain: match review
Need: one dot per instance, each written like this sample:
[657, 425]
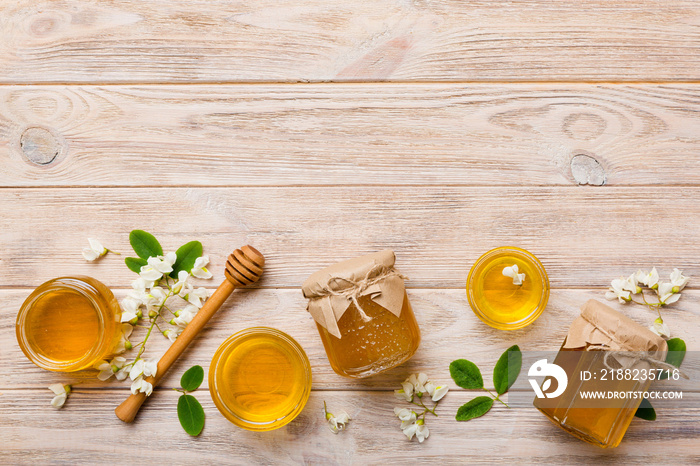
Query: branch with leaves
[467, 375]
[162, 300]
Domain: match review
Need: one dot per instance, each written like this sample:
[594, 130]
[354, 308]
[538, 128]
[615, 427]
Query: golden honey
[608, 359]
[603, 425]
[69, 324]
[260, 379]
[496, 300]
[366, 348]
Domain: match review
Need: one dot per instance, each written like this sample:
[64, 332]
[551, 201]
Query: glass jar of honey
[503, 301]
[605, 353]
[260, 379]
[363, 315]
[69, 324]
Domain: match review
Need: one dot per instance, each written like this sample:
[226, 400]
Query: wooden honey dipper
[243, 267]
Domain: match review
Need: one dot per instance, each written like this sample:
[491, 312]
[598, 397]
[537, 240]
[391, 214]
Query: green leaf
[507, 369]
[675, 355]
[192, 378]
[474, 408]
[646, 411]
[145, 244]
[186, 256]
[466, 374]
[191, 414]
[135, 263]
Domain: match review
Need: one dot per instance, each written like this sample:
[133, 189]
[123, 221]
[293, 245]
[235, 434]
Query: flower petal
[57, 388]
[59, 400]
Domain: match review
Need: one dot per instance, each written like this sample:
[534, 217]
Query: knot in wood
[40, 146]
[587, 170]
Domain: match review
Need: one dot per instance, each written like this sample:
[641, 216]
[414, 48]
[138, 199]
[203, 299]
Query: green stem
[150, 329]
[495, 397]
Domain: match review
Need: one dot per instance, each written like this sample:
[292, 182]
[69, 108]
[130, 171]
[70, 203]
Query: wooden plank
[246, 40]
[449, 331]
[583, 236]
[87, 430]
[436, 134]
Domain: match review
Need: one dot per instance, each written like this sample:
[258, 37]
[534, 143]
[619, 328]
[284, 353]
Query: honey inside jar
[601, 422]
[69, 323]
[366, 348]
[600, 343]
[63, 325]
[500, 302]
[260, 379]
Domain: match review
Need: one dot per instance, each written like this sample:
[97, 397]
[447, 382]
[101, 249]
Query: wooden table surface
[318, 131]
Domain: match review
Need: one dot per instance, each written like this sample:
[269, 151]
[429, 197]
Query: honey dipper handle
[243, 267]
[130, 407]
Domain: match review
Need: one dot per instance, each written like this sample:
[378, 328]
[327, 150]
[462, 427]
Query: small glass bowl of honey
[496, 299]
[69, 324]
[260, 379]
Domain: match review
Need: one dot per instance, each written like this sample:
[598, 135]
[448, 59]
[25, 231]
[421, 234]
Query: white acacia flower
[678, 280]
[422, 431]
[406, 393]
[172, 333]
[124, 343]
[61, 391]
[661, 329]
[418, 381]
[157, 266]
[199, 270]
[617, 291]
[419, 429]
[407, 416]
[512, 272]
[337, 423]
[140, 385]
[181, 282]
[196, 297]
[139, 291]
[631, 284]
[666, 293]
[650, 279]
[185, 316]
[130, 309]
[109, 368]
[143, 368]
[410, 430]
[149, 273]
[156, 299]
[94, 251]
[436, 392]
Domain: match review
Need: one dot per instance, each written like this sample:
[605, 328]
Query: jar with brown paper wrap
[605, 345]
[363, 315]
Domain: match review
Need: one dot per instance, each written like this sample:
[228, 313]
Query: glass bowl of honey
[504, 301]
[260, 379]
[69, 324]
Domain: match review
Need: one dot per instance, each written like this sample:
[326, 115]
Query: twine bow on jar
[331, 291]
[357, 288]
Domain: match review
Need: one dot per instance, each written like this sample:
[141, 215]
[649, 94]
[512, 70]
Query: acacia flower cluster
[150, 300]
[414, 390]
[667, 292]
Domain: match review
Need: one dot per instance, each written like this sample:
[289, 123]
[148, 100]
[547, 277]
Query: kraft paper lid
[331, 290]
[602, 326]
